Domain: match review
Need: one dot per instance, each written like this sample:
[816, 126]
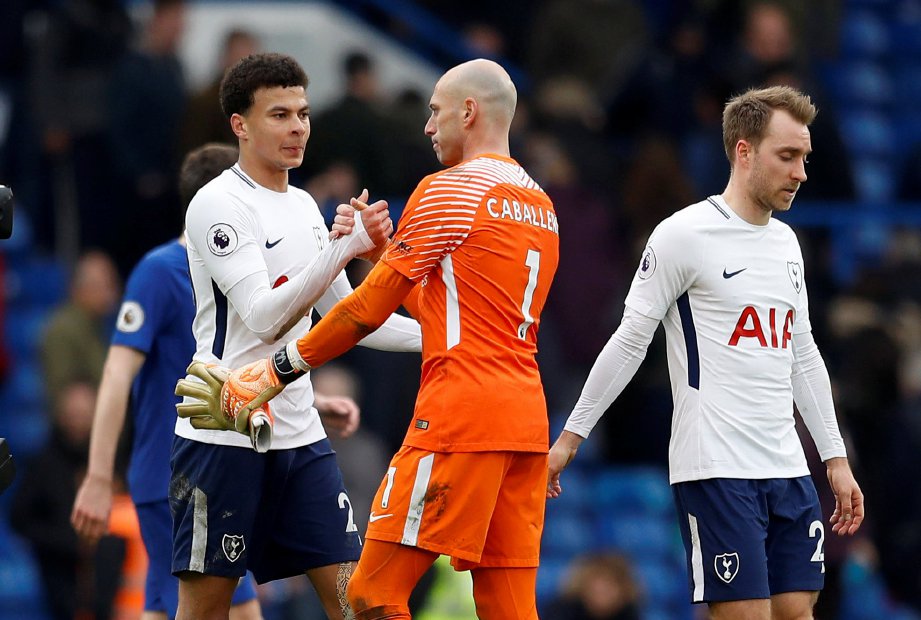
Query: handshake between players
[219, 398]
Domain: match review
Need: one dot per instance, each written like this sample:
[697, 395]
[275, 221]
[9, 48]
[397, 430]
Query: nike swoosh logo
[734, 273]
[271, 244]
[373, 517]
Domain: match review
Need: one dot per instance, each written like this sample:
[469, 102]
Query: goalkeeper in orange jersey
[260, 261]
[473, 259]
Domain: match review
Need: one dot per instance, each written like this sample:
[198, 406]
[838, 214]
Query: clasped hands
[231, 400]
[374, 218]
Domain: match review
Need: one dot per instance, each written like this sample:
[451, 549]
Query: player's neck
[267, 176]
[476, 146]
[743, 206]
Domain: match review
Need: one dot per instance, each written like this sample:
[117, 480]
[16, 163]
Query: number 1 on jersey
[533, 264]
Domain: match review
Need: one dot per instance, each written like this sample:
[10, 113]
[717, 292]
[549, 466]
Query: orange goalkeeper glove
[238, 400]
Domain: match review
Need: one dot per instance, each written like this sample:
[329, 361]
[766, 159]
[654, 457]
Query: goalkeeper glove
[238, 400]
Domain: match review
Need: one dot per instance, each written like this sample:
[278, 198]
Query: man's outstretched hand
[231, 400]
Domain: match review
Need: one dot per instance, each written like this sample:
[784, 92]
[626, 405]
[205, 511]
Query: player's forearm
[615, 367]
[356, 316]
[121, 366]
[271, 312]
[397, 333]
[813, 396]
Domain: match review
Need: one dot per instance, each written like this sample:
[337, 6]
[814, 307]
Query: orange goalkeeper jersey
[482, 240]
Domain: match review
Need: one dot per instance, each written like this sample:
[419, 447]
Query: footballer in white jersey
[235, 230]
[731, 296]
[727, 281]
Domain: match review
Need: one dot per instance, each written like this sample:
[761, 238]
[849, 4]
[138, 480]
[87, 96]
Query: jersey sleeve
[670, 259]
[437, 218]
[144, 307]
[226, 237]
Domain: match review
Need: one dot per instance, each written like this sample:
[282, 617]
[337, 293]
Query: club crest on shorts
[796, 275]
[233, 546]
[647, 264]
[727, 566]
[222, 239]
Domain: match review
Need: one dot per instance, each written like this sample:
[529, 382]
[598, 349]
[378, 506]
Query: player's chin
[293, 157]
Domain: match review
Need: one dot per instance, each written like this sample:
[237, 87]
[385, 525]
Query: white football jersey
[235, 228]
[731, 295]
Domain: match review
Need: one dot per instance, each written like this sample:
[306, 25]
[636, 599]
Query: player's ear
[470, 111]
[238, 125]
[743, 151]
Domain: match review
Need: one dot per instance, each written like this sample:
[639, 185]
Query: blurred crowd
[619, 120]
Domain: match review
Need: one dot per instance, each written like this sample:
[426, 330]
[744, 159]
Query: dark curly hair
[240, 83]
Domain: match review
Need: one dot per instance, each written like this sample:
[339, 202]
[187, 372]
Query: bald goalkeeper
[473, 259]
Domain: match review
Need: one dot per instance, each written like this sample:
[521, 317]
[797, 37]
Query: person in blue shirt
[151, 346]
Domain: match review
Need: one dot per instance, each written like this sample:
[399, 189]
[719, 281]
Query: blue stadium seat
[640, 537]
[24, 389]
[634, 490]
[23, 330]
[907, 81]
[567, 534]
[860, 83]
[867, 133]
[905, 33]
[874, 179]
[39, 281]
[550, 576]
[20, 589]
[864, 34]
[578, 489]
[664, 584]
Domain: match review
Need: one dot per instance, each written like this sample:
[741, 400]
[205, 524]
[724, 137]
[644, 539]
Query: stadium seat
[665, 584]
[867, 133]
[864, 34]
[640, 537]
[20, 591]
[905, 33]
[859, 83]
[907, 84]
[566, 534]
[23, 330]
[634, 491]
[874, 179]
[40, 281]
[550, 578]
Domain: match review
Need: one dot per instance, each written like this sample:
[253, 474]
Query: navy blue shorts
[161, 592]
[277, 514]
[748, 539]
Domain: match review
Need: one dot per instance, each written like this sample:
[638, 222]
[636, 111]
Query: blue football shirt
[156, 319]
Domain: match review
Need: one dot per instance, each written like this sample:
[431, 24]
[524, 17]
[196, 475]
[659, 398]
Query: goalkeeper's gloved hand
[238, 400]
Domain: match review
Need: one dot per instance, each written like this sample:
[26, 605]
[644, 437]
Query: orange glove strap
[356, 316]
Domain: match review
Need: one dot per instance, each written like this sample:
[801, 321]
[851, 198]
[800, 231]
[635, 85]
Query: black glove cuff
[284, 369]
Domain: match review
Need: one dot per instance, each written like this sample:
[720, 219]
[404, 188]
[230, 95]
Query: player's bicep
[225, 239]
[665, 271]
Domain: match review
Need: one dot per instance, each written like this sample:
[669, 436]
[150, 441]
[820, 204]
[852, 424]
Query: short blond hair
[746, 116]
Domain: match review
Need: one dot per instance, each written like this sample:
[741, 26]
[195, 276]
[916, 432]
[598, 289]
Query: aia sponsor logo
[770, 331]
